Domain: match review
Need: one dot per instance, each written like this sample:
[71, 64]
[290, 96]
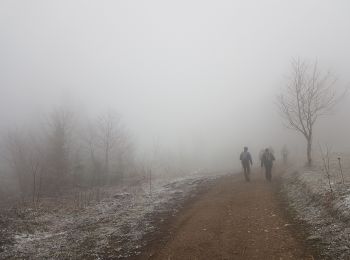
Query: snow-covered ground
[326, 212]
[114, 227]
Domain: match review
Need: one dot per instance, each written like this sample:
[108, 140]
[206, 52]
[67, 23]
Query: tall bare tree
[91, 141]
[308, 95]
[36, 164]
[109, 133]
[59, 133]
[17, 158]
[25, 157]
[109, 148]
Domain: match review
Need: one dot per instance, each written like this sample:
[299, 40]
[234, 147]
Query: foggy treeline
[65, 152]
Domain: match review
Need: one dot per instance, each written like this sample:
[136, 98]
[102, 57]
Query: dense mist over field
[190, 81]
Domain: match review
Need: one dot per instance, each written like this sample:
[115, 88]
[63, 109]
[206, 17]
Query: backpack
[245, 156]
[268, 157]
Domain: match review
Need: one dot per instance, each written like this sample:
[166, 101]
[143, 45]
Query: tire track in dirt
[233, 220]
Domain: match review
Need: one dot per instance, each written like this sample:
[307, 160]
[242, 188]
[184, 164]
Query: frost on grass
[112, 228]
[326, 213]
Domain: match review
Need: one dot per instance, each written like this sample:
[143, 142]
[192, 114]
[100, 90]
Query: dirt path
[234, 220]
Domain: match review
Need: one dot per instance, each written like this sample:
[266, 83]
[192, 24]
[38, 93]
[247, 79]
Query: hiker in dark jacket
[246, 160]
[267, 161]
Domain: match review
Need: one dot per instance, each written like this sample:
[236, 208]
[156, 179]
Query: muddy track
[233, 220]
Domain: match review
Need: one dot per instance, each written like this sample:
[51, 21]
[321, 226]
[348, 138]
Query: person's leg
[246, 171]
[270, 169]
[247, 177]
[266, 172]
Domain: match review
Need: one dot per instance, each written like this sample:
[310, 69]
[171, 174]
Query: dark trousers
[268, 170]
[246, 169]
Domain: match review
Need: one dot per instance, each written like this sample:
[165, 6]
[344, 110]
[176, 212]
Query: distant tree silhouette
[308, 96]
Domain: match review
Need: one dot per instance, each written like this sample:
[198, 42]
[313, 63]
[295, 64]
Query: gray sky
[200, 74]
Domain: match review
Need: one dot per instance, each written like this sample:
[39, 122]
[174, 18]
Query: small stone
[313, 238]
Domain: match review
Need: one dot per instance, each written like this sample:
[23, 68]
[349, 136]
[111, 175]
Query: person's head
[245, 148]
[266, 150]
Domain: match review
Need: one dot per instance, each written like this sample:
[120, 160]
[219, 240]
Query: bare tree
[59, 133]
[91, 143]
[115, 143]
[308, 96]
[124, 154]
[25, 157]
[108, 134]
[16, 156]
[36, 167]
[108, 147]
[36, 164]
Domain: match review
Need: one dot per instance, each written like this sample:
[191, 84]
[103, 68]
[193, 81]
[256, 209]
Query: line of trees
[65, 153]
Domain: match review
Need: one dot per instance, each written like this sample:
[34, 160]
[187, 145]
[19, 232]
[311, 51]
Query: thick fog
[197, 79]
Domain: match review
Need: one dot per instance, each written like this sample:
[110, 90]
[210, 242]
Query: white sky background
[193, 75]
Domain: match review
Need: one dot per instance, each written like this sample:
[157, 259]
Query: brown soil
[233, 220]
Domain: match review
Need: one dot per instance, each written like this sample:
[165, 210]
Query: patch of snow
[326, 213]
[113, 227]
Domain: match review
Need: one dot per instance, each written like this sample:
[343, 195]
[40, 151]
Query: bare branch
[308, 95]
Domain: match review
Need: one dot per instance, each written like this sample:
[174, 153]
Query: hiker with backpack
[267, 161]
[246, 160]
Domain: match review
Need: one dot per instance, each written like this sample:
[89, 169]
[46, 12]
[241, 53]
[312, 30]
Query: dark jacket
[267, 159]
[245, 157]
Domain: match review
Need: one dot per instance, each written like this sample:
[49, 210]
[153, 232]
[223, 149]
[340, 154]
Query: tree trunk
[309, 145]
[106, 166]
